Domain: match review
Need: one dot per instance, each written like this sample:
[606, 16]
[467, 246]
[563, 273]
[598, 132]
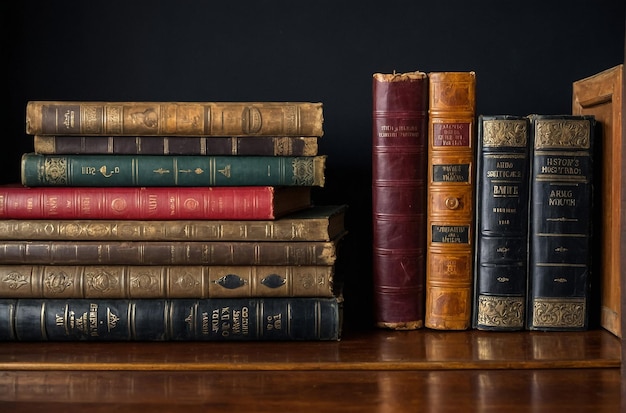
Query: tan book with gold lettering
[317, 223]
[182, 281]
[450, 206]
[174, 118]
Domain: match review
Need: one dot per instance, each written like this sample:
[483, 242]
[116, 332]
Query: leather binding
[171, 170]
[159, 281]
[218, 319]
[450, 204]
[502, 181]
[170, 252]
[317, 223]
[177, 145]
[83, 118]
[398, 198]
[152, 203]
[561, 191]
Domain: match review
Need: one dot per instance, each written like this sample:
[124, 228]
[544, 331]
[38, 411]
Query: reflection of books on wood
[171, 170]
[317, 223]
[151, 203]
[211, 319]
[180, 281]
[177, 145]
[602, 95]
[174, 118]
[170, 252]
[560, 222]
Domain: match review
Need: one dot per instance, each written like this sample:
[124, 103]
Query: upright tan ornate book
[602, 95]
[450, 204]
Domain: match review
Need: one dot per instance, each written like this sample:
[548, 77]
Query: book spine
[167, 253]
[127, 281]
[318, 223]
[400, 103]
[560, 222]
[218, 319]
[171, 170]
[150, 203]
[176, 145]
[502, 185]
[174, 118]
[450, 205]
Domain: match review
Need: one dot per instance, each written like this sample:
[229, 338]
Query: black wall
[526, 55]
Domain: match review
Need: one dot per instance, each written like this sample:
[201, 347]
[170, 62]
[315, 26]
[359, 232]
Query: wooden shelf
[441, 391]
[358, 351]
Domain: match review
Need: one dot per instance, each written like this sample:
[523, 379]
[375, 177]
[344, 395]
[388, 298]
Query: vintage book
[560, 222]
[399, 135]
[176, 145]
[179, 281]
[152, 203]
[170, 252]
[502, 180]
[450, 204]
[210, 319]
[171, 170]
[317, 223]
[174, 118]
[602, 95]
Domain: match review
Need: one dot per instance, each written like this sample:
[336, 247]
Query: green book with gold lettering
[171, 170]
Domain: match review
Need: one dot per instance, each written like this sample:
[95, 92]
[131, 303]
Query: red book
[399, 139]
[152, 203]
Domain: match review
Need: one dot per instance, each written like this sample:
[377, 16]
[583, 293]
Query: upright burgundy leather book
[399, 138]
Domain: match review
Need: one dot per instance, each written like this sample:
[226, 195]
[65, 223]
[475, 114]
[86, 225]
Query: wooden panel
[368, 350]
[588, 390]
[601, 95]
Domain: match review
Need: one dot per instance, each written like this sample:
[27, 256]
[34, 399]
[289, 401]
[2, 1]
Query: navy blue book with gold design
[220, 319]
[561, 203]
[501, 222]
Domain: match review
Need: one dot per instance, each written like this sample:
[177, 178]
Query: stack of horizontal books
[156, 221]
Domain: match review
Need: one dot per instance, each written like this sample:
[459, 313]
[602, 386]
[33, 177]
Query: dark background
[526, 55]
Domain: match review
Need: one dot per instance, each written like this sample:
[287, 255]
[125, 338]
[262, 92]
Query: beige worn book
[183, 281]
[174, 118]
[318, 223]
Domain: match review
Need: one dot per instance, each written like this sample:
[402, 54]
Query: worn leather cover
[150, 203]
[398, 197]
[170, 252]
[316, 223]
[177, 145]
[561, 194]
[450, 205]
[174, 118]
[166, 281]
[218, 319]
[171, 170]
[502, 174]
